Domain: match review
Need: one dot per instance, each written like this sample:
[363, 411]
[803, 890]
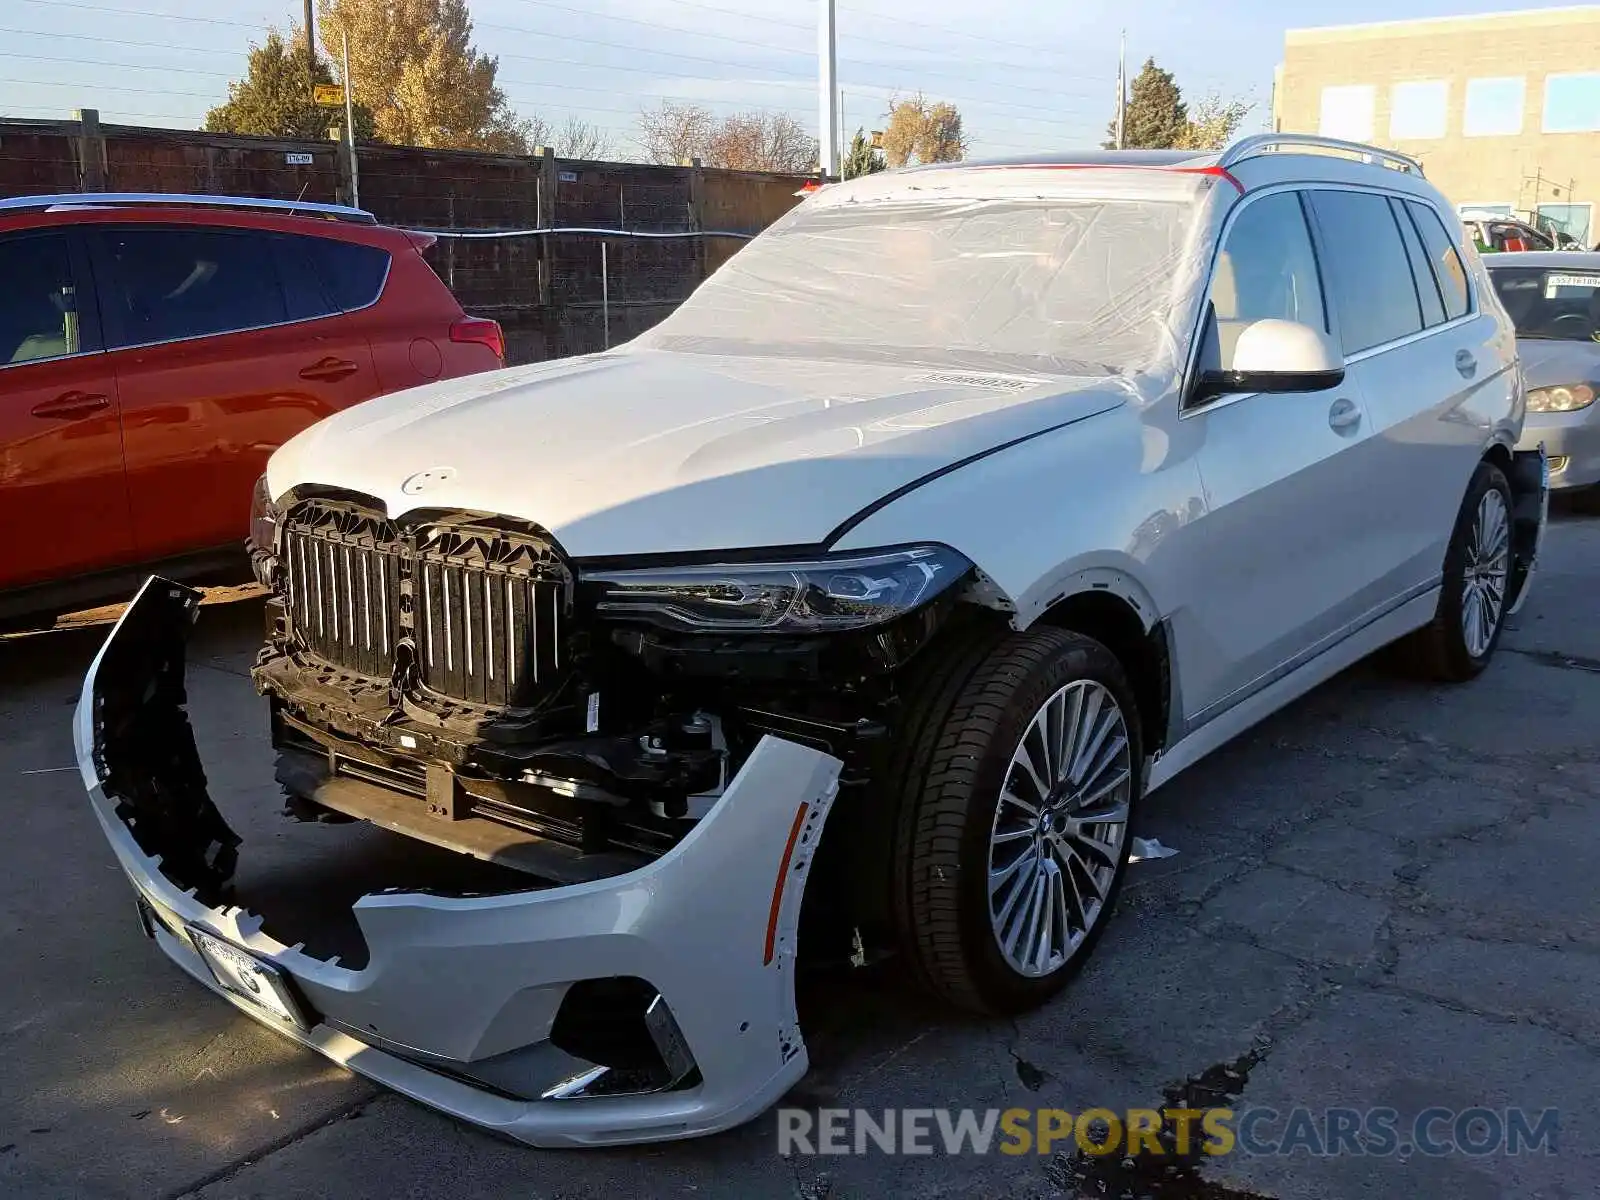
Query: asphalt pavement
[1384, 897]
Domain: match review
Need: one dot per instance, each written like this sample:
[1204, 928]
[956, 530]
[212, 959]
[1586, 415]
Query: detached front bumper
[456, 1004]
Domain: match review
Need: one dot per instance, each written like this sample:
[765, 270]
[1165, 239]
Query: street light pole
[350, 120]
[828, 85]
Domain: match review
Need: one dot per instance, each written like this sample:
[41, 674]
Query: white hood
[640, 452]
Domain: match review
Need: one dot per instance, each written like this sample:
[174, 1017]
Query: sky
[1027, 75]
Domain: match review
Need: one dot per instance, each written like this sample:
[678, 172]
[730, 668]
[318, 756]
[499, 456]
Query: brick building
[1503, 110]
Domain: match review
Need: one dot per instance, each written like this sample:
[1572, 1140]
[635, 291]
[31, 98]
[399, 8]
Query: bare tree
[1213, 122]
[674, 132]
[578, 138]
[923, 132]
[761, 141]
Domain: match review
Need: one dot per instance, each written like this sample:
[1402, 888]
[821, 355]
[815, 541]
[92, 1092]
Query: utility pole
[311, 52]
[350, 119]
[828, 90]
[1122, 84]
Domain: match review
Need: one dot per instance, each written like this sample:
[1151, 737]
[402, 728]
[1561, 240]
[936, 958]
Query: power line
[52, 111]
[660, 28]
[1033, 113]
[89, 62]
[84, 37]
[136, 12]
[106, 87]
[655, 26]
[878, 41]
[960, 33]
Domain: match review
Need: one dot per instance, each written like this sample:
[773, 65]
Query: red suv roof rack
[337, 212]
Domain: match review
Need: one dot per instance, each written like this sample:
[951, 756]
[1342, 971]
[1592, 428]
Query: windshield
[1548, 303]
[1062, 284]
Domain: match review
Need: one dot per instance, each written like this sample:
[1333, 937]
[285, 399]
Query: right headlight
[1566, 397]
[820, 595]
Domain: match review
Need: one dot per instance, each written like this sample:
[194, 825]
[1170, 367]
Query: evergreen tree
[1155, 117]
[274, 97]
[862, 159]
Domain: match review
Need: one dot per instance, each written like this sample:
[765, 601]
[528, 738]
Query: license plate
[246, 976]
[1554, 281]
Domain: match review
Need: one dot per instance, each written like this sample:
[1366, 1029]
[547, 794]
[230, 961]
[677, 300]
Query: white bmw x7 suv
[961, 509]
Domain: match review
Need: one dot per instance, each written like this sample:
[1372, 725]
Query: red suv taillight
[480, 331]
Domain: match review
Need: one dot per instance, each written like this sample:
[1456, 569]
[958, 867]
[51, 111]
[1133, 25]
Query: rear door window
[1421, 272]
[169, 284]
[353, 275]
[1369, 273]
[38, 299]
[1447, 265]
[304, 294]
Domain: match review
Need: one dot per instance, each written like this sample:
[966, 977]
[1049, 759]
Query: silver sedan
[1554, 300]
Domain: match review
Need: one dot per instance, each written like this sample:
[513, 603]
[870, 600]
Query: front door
[63, 495]
[1288, 528]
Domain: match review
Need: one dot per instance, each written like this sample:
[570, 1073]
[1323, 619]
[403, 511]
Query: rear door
[63, 495]
[224, 345]
[1434, 392]
[1290, 526]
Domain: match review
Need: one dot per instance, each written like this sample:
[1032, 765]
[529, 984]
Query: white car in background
[1554, 301]
[888, 575]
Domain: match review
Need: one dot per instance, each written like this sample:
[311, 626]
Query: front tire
[1460, 640]
[1018, 773]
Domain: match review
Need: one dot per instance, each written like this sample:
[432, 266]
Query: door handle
[1345, 414]
[70, 405]
[329, 370]
[1466, 364]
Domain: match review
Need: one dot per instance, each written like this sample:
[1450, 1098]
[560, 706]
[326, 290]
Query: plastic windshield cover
[1031, 269]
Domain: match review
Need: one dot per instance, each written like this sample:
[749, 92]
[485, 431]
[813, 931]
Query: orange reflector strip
[777, 888]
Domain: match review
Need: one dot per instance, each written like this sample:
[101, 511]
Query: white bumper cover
[459, 988]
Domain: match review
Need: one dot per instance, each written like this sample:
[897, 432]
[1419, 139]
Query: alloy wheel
[1486, 570]
[1060, 828]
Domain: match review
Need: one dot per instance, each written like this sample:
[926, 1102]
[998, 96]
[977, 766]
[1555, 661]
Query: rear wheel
[1018, 780]
[1458, 643]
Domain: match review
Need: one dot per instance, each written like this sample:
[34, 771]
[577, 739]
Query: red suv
[154, 350]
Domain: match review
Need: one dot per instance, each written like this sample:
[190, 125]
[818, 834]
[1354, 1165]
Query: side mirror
[1277, 356]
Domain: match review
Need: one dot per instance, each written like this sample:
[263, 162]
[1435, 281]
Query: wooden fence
[547, 291]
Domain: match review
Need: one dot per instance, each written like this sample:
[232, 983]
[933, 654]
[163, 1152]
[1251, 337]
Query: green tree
[414, 64]
[862, 159]
[1155, 116]
[274, 97]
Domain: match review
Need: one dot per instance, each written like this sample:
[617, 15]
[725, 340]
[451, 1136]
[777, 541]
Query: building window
[1419, 110]
[1347, 113]
[1569, 219]
[1572, 103]
[1494, 107]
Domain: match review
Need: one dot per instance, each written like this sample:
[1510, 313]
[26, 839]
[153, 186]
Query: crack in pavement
[1559, 659]
[261, 1153]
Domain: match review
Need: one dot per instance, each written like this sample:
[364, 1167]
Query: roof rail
[1263, 143]
[338, 212]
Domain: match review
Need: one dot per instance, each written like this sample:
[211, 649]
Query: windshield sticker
[1553, 284]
